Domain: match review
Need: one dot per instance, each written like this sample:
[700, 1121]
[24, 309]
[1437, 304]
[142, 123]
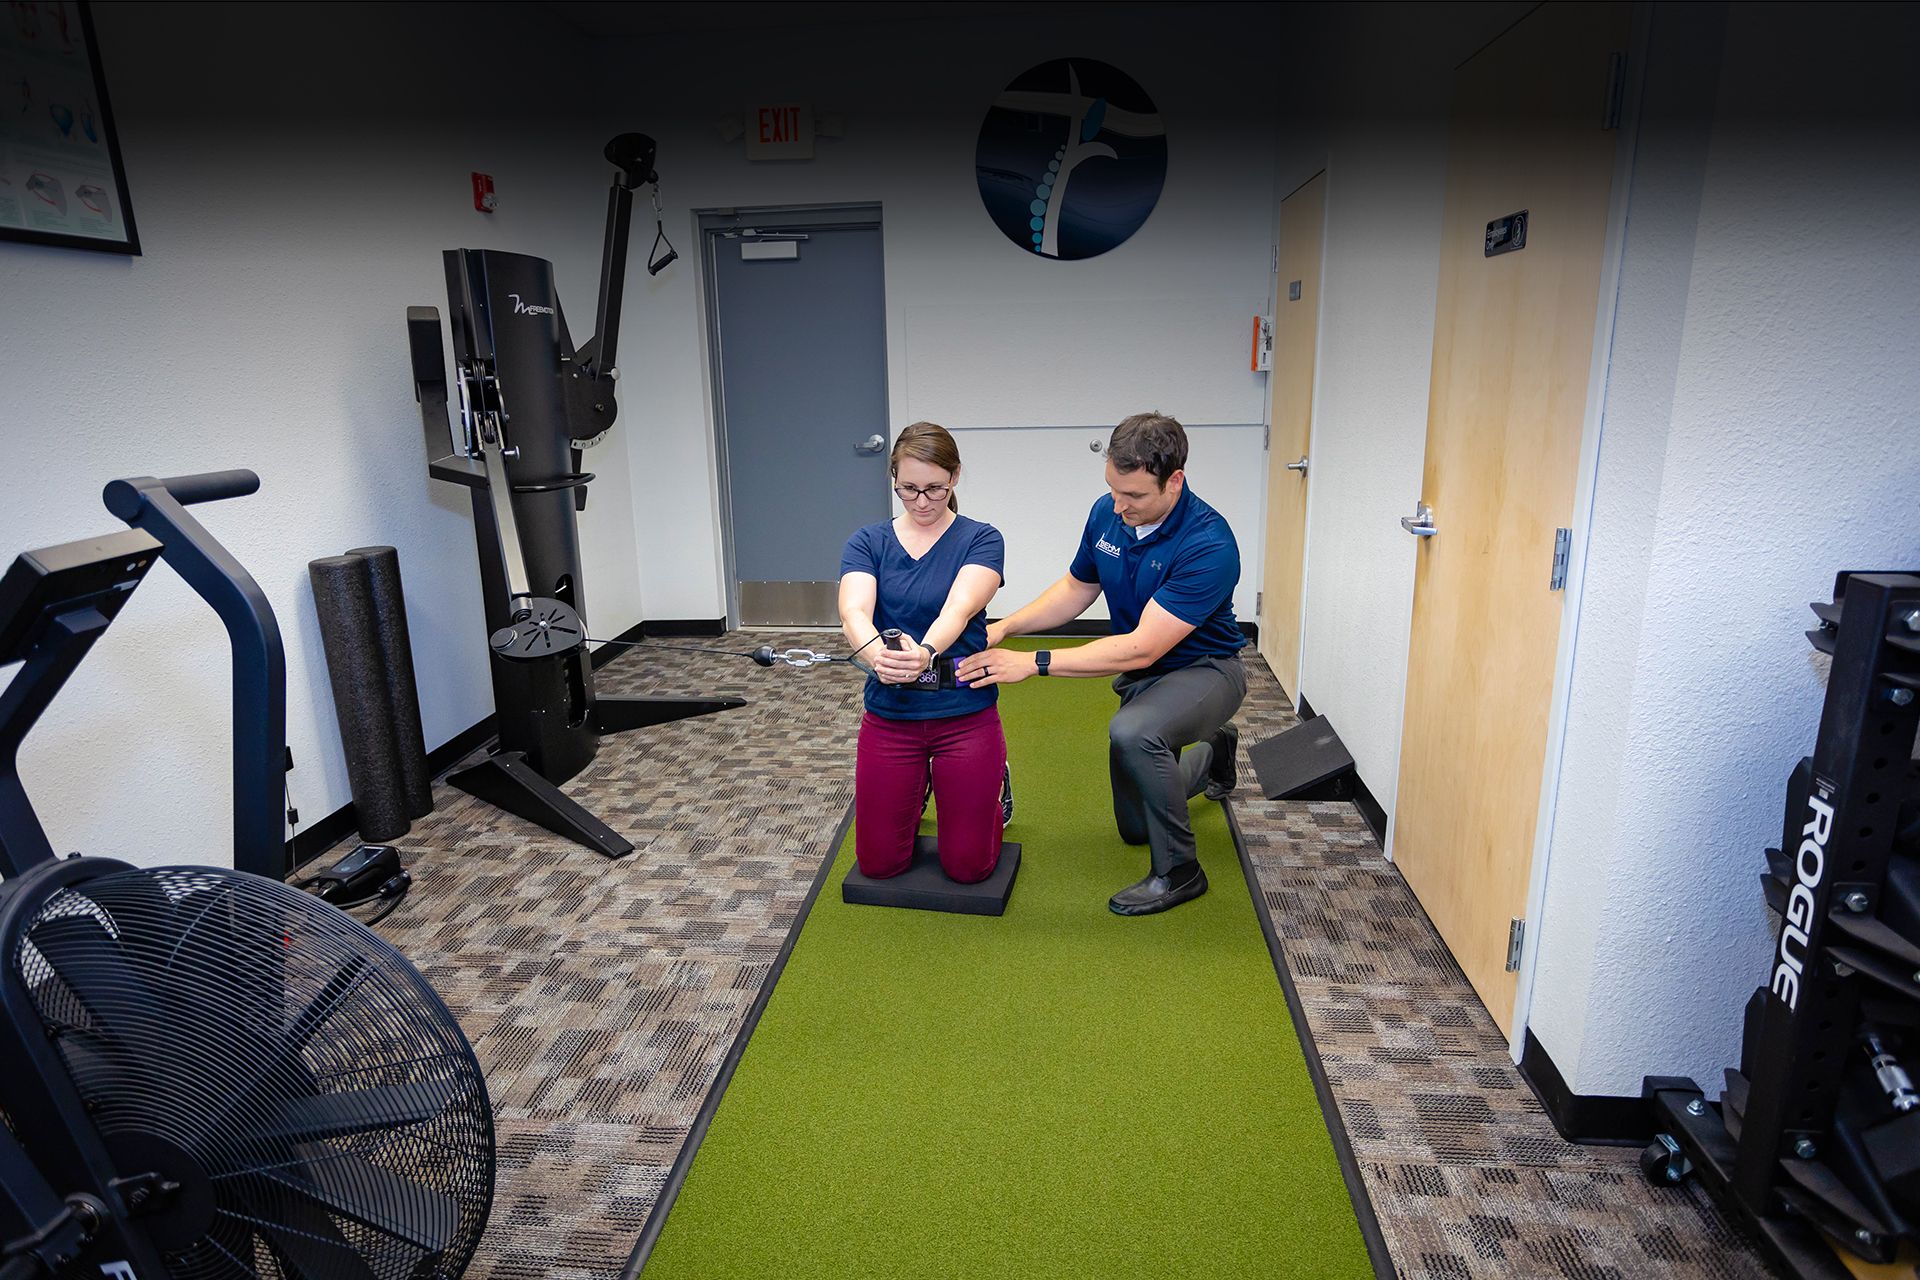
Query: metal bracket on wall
[1562, 547]
[1516, 934]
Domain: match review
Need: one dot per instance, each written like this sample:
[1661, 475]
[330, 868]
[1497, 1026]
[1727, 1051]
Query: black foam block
[396, 662]
[343, 598]
[924, 886]
[1307, 762]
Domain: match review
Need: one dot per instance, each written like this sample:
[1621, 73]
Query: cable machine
[530, 403]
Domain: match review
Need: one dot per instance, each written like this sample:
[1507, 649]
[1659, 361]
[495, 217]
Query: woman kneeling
[929, 573]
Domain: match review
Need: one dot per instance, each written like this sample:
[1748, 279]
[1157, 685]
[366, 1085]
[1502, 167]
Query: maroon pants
[967, 755]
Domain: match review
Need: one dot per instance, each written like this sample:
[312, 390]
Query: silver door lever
[1420, 523]
[872, 444]
[1300, 466]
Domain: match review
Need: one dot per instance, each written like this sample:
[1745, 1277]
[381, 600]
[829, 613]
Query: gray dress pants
[1152, 781]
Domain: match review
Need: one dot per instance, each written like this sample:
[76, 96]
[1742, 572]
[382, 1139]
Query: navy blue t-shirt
[1189, 565]
[911, 595]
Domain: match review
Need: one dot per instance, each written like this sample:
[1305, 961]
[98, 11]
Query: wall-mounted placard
[61, 181]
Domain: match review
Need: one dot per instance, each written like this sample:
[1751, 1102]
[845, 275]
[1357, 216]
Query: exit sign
[783, 131]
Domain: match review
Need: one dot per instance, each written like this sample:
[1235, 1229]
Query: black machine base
[618, 714]
[1702, 1148]
[1307, 762]
[506, 781]
[923, 885]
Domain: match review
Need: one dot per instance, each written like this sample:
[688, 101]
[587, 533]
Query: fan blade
[343, 1183]
[101, 976]
[241, 939]
[323, 1006]
[312, 1246]
[338, 1115]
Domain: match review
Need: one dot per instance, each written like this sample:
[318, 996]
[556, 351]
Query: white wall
[980, 335]
[1382, 106]
[1762, 430]
[295, 172]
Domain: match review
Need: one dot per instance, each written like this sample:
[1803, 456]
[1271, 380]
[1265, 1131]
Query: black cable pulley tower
[530, 402]
[1814, 1143]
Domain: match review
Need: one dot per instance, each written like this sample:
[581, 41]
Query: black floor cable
[766, 655]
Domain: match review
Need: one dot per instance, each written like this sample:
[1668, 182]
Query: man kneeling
[1168, 564]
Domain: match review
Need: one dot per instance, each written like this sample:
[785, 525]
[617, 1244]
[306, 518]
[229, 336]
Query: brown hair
[929, 443]
[1150, 440]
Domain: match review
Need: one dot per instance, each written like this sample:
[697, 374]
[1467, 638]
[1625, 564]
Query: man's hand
[903, 665]
[996, 666]
[996, 633]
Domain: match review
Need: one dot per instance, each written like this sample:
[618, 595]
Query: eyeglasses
[933, 492]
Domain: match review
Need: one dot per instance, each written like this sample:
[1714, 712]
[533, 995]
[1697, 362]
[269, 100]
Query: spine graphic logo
[1071, 159]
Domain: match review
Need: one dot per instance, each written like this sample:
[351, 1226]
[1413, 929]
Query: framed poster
[60, 177]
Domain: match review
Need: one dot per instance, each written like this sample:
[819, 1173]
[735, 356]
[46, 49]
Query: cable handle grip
[891, 638]
[123, 497]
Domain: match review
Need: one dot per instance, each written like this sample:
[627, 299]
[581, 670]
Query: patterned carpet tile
[1465, 1172]
[601, 996]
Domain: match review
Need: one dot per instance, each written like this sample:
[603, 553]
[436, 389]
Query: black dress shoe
[1223, 773]
[1157, 893]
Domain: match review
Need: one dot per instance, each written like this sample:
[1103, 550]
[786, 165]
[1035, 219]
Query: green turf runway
[1057, 1092]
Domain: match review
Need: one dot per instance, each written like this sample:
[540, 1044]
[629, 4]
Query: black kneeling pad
[1307, 762]
[925, 886]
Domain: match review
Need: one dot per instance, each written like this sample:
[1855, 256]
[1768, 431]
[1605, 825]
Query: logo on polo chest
[1106, 548]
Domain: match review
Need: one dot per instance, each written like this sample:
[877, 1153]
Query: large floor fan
[206, 1073]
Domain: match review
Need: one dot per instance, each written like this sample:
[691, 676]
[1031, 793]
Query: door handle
[1300, 466]
[1420, 523]
[872, 444]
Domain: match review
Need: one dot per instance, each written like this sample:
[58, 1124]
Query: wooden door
[1296, 332]
[1513, 340]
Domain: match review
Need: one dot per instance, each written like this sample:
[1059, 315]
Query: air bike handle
[123, 497]
[159, 507]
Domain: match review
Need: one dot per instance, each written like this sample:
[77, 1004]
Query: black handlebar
[159, 507]
[123, 496]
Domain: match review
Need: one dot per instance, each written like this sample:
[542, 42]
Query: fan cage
[330, 1118]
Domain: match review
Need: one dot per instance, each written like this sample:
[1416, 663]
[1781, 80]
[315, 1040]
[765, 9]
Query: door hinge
[1266, 436]
[1616, 91]
[1259, 602]
[1516, 933]
[1273, 265]
[1562, 547]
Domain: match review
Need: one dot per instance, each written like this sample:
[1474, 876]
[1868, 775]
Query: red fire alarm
[483, 198]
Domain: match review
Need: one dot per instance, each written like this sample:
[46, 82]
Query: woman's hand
[903, 665]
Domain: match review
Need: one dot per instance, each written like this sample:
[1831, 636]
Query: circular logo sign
[1071, 158]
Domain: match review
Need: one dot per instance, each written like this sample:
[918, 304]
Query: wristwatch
[1042, 660]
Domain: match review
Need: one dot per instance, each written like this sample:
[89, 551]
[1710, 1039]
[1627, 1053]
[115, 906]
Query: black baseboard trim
[341, 823]
[1370, 1234]
[615, 646]
[1096, 627]
[1371, 811]
[1603, 1120]
[682, 627]
[677, 1176]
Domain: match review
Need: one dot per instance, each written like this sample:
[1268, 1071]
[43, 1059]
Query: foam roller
[396, 660]
[343, 594]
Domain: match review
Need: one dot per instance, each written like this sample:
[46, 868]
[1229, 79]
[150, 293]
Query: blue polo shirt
[1189, 566]
[911, 595]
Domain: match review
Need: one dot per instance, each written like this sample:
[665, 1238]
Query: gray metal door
[800, 326]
